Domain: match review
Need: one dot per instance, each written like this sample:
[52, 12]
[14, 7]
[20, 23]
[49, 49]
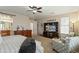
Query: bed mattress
[12, 44]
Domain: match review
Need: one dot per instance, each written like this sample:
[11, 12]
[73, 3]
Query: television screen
[52, 28]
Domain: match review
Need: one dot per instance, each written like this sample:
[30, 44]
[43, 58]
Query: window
[64, 25]
[0, 26]
[5, 25]
[5, 21]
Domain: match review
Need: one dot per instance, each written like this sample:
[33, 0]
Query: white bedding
[74, 44]
[11, 44]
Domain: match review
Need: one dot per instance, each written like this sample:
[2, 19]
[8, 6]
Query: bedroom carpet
[46, 43]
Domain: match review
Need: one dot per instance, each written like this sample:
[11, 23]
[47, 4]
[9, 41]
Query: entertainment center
[51, 30]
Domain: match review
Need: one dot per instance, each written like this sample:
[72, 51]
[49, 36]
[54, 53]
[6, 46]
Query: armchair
[59, 46]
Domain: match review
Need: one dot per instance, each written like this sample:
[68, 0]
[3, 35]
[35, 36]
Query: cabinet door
[18, 32]
[25, 33]
[5, 33]
[29, 33]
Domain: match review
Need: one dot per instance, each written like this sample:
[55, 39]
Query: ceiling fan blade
[31, 7]
[39, 8]
[39, 11]
[34, 7]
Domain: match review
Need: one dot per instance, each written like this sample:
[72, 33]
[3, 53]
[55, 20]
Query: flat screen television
[51, 28]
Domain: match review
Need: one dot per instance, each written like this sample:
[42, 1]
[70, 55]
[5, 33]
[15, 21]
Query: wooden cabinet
[5, 32]
[27, 33]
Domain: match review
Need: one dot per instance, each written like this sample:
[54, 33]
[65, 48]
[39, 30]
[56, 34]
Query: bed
[12, 44]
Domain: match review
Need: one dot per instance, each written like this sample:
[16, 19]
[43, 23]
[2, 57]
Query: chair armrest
[59, 46]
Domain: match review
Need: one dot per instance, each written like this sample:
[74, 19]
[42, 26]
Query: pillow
[1, 39]
[66, 40]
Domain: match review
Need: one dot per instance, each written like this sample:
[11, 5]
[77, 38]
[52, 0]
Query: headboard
[5, 32]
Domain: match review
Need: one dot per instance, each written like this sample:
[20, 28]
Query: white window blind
[5, 21]
[64, 25]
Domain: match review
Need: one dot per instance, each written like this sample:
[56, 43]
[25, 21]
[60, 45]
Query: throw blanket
[28, 46]
[12, 44]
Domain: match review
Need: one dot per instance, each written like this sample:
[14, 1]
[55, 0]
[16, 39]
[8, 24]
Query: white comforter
[11, 44]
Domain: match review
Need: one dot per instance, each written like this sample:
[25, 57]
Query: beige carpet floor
[46, 43]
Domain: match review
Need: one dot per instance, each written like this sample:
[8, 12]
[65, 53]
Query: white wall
[20, 20]
[25, 22]
[35, 28]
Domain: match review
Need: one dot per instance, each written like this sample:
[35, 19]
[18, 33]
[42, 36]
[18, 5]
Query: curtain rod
[7, 14]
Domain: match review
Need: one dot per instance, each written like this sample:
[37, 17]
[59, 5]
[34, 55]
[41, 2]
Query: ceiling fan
[35, 9]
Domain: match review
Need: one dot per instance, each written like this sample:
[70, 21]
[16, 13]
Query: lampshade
[73, 21]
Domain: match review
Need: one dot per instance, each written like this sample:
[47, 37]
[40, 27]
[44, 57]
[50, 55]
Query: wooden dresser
[27, 33]
[5, 32]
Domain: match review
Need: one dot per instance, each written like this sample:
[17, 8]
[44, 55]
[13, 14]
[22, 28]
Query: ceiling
[46, 10]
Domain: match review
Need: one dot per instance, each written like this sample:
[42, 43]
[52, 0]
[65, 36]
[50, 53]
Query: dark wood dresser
[27, 33]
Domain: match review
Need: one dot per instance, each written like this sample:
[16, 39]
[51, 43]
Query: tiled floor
[46, 43]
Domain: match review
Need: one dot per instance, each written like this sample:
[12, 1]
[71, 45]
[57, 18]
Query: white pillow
[1, 39]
